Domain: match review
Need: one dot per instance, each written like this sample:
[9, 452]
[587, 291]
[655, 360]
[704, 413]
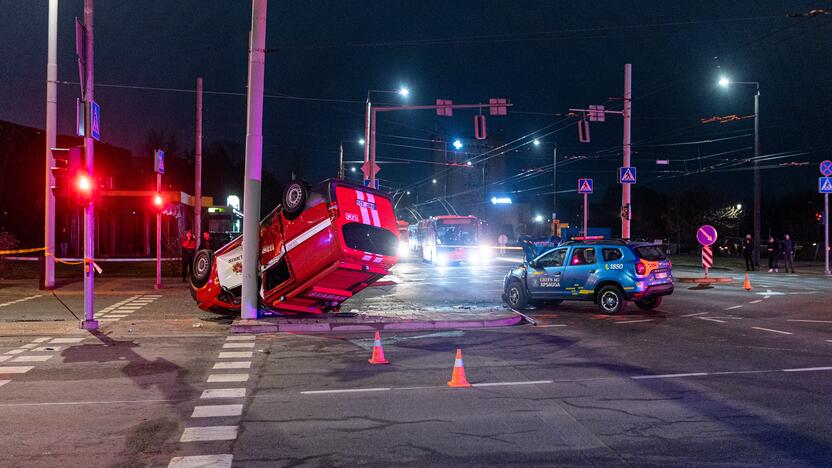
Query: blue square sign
[824, 184]
[584, 185]
[95, 121]
[627, 175]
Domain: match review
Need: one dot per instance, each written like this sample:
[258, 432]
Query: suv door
[579, 272]
[544, 279]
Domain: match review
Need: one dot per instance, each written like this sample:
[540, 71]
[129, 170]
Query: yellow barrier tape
[18, 251]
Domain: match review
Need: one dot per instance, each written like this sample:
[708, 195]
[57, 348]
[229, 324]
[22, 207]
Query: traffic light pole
[51, 132]
[254, 161]
[89, 322]
[158, 234]
[198, 164]
[826, 233]
[626, 205]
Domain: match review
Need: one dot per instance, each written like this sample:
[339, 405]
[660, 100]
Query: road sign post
[585, 188]
[825, 187]
[707, 258]
[706, 236]
[159, 169]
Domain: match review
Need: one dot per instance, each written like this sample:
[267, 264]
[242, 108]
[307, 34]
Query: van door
[579, 272]
[544, 280]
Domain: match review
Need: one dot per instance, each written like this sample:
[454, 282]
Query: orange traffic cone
[378, 352]
[458, 377]
[747, 284]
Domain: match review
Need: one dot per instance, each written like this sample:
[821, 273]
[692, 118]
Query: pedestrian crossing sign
[584, 185]
[825, 184]
[627, 175]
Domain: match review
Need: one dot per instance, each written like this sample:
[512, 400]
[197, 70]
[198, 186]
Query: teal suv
[608, 272]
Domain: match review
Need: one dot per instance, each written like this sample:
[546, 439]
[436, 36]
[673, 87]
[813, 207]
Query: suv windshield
[371, 239]
[651, 253]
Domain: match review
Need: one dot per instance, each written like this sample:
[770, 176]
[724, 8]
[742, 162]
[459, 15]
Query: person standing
[205, 243]
[748, 252]
[788, 253]
[502, 239]
[773, 250]
[188, 248]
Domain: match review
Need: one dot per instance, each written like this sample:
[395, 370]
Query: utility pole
[586, 215]
[158, 233]
[341, 160]
[198, 164]
[254, 160]
[51, 132]
[626, 205]
[757, 176]
[555, 184]
[89, 322]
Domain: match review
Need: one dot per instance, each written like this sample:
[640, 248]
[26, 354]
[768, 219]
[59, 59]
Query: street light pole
[757, 232]
[89, 322]
[51, 132]
[626, 208]
[254, 160]
[555, 184]
[198, 164]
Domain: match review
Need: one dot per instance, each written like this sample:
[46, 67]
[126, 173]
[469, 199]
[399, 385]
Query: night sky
[545, 56]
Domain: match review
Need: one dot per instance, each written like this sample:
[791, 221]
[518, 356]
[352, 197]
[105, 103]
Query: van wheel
[610, 300]
[650, 303]
[294, 198]
[516, 296]
[201, 270]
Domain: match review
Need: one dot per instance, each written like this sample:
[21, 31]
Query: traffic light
[819, 217]
[82, 187]
[158, 201]
[67, 163]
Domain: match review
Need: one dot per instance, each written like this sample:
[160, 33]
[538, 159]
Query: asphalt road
[716, 376]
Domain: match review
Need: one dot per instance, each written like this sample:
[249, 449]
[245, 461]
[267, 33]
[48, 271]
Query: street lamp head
[408, 192]
[404, 91]
[457, 144]
[468, 163]
[538, 219]
[361, 141]
[352, 169]
[434, 181]
[724, 81]
[536, 142]
[739, 206]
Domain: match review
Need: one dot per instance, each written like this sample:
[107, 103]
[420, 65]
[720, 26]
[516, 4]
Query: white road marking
[67, 340]
[694, 315]
[773, 331]
[41, 358]
[20, 300]
[224, 393]
[4, 358]
[16, 351]
[207, 433]
[808, 369]
[236, 354]
[15, 369]
[711, 319]
[769, 293]
[237, 345]
[348, 390]
[233, 365]
[46, 349]
[227, 378]
[550, 325]
[669, 376]
[733, 307]
[116, 317]
[217, 411]
[635, 321]
[240, 338]
[4, 382]
[29, 346]
[502, 384]
[41, 339]
[809, 321]
[755, 302]
[202, 461]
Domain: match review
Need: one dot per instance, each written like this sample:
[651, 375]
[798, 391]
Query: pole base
[158, 286]
[88, 325]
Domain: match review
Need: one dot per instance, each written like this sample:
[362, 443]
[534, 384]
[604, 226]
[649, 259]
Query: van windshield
[371, 239]
[650, 253]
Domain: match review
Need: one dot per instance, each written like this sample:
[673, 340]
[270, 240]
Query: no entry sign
[706, 235]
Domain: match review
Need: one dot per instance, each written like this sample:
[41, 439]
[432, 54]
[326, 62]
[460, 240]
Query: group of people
[775, 248]
[189, 247]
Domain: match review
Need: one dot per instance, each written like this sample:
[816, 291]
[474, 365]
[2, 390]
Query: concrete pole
[158, 234]
[757, 177]
[586, 215]
[826, 233]
[372, 148]
[367, 142]
[89, 322]
[198, 164]
[341, 160]
[555, 184]
[254, 160]
[625, 188]
[51, 132]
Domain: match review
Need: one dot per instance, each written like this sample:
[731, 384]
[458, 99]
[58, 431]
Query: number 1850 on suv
[605, 271]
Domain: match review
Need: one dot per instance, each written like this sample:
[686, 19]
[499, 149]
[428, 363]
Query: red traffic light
[158, 201]
[83, 183]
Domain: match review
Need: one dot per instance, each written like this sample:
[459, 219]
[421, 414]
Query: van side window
[612, 254]
[583, 256]
[552, 259]
[277, 275]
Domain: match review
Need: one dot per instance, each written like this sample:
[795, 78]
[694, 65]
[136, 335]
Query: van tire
[610, 300]
[294, 198]
[201, 269]
[516, 296]
[650, 303]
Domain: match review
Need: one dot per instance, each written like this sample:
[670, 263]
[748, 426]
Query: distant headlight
[442, 259]
[404, 250]
[486, 252]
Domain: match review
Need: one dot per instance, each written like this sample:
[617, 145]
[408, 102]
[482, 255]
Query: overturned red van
[318, 248]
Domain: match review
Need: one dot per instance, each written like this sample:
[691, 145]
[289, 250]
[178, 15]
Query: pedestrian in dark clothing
[188, 248]
[206, 243]
[748, 252]
[773, 252]
[788, 253]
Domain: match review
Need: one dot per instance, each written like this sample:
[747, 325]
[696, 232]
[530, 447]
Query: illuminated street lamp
[538, 219]
[536, 142]
[725, 82]
[457, 144]
[404, 91]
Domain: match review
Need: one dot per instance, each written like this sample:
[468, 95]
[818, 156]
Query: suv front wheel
[610, 299]
[516, 296]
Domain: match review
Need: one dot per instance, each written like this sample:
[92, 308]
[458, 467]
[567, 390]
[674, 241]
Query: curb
[370, 324]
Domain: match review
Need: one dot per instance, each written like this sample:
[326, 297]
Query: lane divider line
[711, 319]
[809, 321]
[773, 331]
[694, 315]
[635, 321]
[734, 307]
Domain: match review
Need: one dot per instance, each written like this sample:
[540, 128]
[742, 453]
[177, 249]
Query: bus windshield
[456, 232]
